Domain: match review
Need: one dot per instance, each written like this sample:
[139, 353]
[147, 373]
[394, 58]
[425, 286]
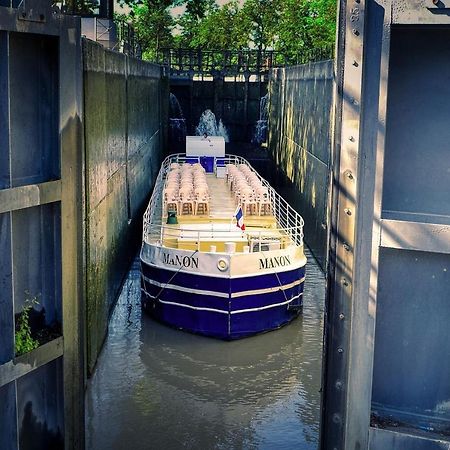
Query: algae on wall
[300, 139]
[125, 117]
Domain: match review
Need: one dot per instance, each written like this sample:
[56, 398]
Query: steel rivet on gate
[348, 211]
[355, 63]
[340, 350]
[355, 32]
[346, 247]
[351, 139]
[344, 282]
[339, 385]
[341, 316]
[349, 174]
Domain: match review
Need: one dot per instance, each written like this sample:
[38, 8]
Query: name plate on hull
[222, 264]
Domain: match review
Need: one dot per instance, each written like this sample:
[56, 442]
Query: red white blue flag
[239, 218]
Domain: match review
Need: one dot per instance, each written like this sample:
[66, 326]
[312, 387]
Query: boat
[222, 252]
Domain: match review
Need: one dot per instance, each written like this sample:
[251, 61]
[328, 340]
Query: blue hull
[224, 308]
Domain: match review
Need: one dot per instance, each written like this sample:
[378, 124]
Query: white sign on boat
[205, 146]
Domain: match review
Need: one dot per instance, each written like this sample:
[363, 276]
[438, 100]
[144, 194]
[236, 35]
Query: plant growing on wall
[24, 342]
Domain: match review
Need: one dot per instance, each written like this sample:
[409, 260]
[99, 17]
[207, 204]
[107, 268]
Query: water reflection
[156, 387]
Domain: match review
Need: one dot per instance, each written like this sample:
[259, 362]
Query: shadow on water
[156, 387]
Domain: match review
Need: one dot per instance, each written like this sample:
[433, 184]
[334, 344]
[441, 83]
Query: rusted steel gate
[41, 160]
[387, 377]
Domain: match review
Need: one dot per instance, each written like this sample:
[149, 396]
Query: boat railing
[289, 222]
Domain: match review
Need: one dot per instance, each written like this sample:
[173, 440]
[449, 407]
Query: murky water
[159, 388]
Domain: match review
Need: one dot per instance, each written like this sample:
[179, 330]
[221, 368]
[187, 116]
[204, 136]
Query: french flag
[239, 218]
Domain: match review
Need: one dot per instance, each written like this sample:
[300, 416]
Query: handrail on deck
[290, 222]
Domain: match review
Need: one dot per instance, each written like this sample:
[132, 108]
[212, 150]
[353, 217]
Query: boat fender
[222, 264]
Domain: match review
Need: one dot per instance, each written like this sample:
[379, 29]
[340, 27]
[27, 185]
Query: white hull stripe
[193, 307]
[268, 290]
[267, 306]
[176, 287]
[198, 308]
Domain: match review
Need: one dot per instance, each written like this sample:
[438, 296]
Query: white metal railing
[289, 222]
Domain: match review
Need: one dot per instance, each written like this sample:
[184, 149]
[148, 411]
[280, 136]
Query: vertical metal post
[341, 268]
[73, 238]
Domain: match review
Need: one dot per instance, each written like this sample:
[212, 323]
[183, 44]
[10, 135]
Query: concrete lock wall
[125, 116]
[235, 102]
[300, 133]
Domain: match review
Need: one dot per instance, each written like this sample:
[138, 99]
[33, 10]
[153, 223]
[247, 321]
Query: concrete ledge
[381, 439]
[20, 366]
[31, 195]
[407, 235]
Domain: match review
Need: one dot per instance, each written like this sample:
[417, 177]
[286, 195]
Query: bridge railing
[235, 62]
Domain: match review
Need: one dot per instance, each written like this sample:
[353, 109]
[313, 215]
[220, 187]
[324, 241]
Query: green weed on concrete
[24, 342]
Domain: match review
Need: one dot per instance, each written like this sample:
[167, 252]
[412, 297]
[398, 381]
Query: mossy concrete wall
[125, 125]
[300, 138]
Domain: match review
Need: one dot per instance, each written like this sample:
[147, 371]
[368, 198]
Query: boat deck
[218, 226]
[216, 231]
[222, 207]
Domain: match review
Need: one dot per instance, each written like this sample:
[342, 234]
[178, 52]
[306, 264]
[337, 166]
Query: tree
[306, 26]
[188, 24]
[153, 25]
[199, 8]
[264, 16]
[78, 7]
[223, 28]
[292, 27]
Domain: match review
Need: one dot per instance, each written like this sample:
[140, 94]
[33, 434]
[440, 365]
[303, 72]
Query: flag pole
[234, 216]
[239, 214]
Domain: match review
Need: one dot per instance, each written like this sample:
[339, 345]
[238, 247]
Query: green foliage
[306, 25]
[198, 8]
[222, 29]
[153, 25]
[149, 3]
[264, 16]
[188, 25]
[24, 342]
[288, 26]
[78, 7]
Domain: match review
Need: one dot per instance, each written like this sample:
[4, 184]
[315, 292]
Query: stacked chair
[249, 192]
[186, 190]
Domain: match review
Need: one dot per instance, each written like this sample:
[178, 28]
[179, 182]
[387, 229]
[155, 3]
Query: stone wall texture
[300, 142]
[125, 127]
